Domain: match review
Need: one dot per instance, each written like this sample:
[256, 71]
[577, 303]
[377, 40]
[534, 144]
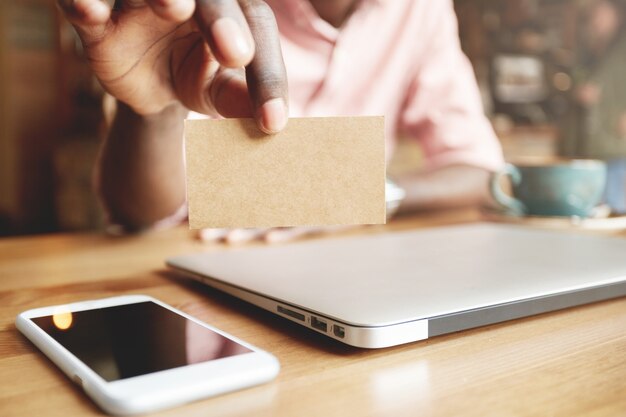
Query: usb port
[319, 324]
[339, 331]
[290, 313]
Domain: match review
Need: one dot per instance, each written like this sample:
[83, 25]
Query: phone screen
[135, 339]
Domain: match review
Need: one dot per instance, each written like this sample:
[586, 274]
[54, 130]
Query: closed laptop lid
[385, 279]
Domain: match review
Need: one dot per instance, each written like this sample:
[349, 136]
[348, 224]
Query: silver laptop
[386, 289]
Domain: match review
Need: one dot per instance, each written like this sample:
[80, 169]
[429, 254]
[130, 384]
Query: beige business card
[316, 172]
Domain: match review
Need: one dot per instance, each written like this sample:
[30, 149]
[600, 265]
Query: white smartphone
[134, 354]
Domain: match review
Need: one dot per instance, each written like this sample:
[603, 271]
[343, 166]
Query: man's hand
[153, 53]
[271, 235]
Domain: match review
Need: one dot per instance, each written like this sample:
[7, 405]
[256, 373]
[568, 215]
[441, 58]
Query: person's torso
[363, 68]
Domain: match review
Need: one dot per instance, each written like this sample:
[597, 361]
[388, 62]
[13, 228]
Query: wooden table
[568, 363]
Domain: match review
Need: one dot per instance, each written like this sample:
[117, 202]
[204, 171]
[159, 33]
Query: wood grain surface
[566, 363]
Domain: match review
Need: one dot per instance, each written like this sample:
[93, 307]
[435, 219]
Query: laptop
[382, 290]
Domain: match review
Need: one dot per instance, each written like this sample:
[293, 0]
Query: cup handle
[512, 205]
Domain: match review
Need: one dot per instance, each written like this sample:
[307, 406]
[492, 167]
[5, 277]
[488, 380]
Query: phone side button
[78, 380]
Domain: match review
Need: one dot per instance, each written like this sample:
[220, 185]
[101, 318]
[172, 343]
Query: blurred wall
[50, 112]
[29, 98]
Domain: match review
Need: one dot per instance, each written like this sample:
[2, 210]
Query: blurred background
[551, 74]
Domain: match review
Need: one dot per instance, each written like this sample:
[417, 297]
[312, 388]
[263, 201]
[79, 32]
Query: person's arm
[218, 57]
[140, 172]
[449, 187]
[444, 113]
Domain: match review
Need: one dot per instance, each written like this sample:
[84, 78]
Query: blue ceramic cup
[615, 195]
[563, 188]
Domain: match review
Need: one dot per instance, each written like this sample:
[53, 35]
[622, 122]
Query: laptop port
[319, 324]
[290, 313]
[339, 331]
